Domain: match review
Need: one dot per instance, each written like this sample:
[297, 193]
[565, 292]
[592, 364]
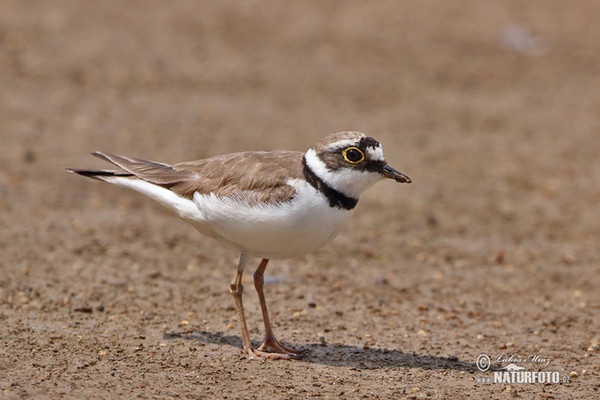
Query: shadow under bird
[267, 204]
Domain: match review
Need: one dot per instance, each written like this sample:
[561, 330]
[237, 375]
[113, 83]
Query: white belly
[285, 230]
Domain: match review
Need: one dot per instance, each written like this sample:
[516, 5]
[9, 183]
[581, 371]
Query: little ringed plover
[266, 204]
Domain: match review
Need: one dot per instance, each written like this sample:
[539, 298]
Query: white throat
[346, 180]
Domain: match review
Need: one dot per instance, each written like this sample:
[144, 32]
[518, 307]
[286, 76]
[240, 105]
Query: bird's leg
[236, 289]
[271, 343]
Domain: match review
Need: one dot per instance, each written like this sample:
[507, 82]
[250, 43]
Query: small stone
[500, 257]
[29, 156]
[184, 322]
[573, 374]
[569, 258]
[382, 280]
[422, 332]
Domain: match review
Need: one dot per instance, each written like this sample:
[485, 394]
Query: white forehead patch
[375, 153]
[340, 144]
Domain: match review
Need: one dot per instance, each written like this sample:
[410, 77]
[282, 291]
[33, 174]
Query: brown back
[259, 176]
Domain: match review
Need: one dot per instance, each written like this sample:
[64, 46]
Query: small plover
[266, 204]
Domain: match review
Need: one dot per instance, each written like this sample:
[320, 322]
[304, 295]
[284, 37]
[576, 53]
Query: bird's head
[351, 162]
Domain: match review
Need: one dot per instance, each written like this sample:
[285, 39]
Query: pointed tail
[97, 173]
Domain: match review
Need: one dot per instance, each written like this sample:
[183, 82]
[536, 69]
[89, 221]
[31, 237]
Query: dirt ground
[491, 107]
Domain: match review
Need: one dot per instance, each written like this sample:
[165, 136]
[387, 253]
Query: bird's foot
[274, 350]
[256, 354]
[271, 344]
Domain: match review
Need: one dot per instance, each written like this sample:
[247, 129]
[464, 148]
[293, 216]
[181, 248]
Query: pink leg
[236, 289]
[270, 343]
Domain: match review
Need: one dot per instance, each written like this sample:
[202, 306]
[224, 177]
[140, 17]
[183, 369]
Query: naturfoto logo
[513, 373]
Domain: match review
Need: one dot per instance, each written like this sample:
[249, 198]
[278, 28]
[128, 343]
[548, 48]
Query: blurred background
[492, 108]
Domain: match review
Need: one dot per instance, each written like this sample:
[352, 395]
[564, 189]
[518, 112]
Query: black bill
[398, 176]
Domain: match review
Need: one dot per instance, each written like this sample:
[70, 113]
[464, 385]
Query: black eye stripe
[375, 166]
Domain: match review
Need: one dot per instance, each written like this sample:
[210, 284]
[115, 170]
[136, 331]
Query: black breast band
[336, 198]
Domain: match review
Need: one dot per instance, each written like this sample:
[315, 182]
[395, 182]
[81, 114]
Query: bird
[275, 204]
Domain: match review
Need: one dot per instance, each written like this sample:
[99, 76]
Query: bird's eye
[354, 155]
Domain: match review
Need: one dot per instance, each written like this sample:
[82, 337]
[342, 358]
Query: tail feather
[145, 177]
[150, 171]
[97, 173]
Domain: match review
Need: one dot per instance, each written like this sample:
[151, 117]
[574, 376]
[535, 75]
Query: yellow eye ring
[352, 158]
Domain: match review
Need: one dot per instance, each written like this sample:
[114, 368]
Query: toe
[258, 354]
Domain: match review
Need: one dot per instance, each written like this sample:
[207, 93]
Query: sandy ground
[491, 107]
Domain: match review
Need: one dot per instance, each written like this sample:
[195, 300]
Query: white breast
[272, 231]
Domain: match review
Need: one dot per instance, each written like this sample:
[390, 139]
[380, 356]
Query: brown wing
[256, 176]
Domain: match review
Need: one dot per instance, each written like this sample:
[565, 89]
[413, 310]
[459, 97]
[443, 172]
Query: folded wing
[261, 176]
